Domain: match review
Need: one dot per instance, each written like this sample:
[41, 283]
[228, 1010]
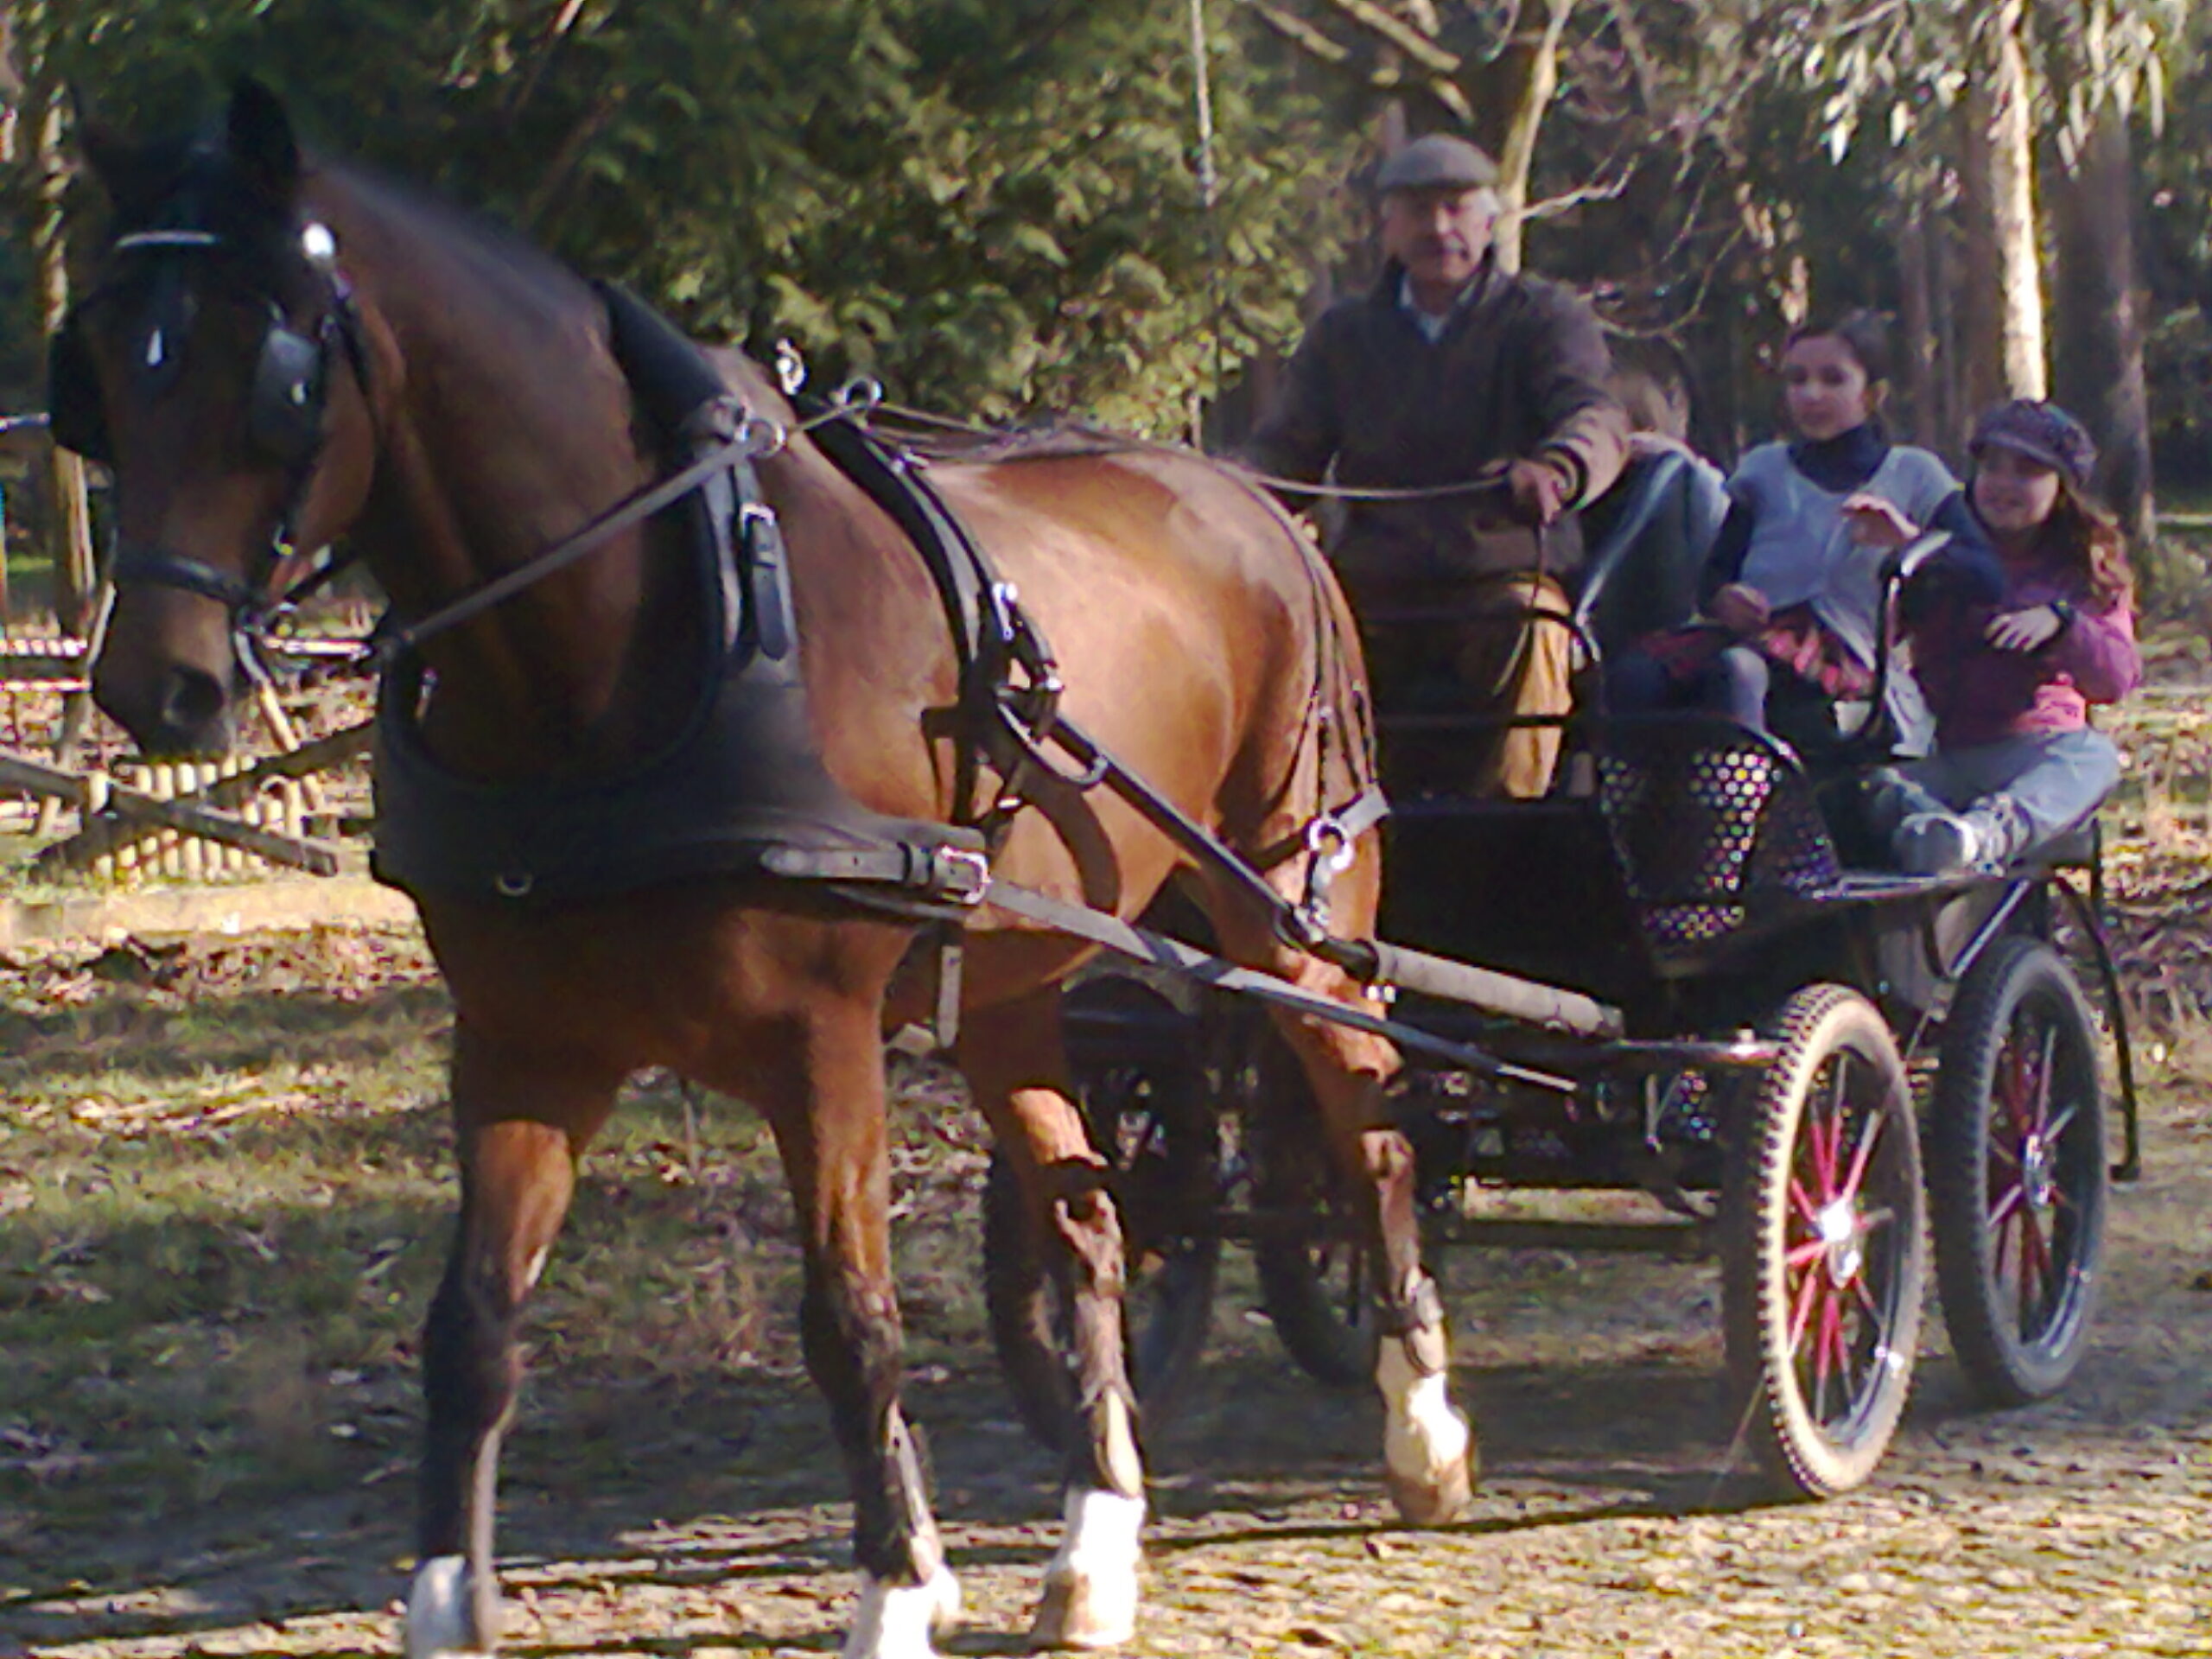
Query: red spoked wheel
[1825, 1264]
[2016, 1174]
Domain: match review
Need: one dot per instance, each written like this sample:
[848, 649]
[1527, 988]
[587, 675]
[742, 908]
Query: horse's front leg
[828, 1113]
[522, 1119]
[1015, 1063]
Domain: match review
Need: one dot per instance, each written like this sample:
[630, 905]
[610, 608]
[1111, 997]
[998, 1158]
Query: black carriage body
[1691, 879]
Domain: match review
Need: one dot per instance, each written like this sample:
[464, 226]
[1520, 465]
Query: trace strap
[1146, 946]
[748, 443]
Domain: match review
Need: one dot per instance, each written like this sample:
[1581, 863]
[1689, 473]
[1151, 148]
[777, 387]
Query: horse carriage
[1805, 1068]
[700, 713]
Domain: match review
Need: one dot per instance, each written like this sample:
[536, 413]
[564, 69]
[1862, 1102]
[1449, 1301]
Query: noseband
[285, 414]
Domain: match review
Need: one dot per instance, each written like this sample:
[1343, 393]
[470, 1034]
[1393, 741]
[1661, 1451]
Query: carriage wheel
[2017, 1175]
[1153, 1120]
[1310, 1259]
[1825, 1264]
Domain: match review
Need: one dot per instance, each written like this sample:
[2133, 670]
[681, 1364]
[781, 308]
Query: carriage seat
[1716, 829]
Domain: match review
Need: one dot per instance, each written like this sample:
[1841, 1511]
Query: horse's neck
[504, 427]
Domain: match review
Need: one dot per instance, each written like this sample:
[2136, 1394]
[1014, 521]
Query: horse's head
[201, 369]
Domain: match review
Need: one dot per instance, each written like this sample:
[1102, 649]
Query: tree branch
[1300, 33]
[555, 34]
[1553, 207]
[1403, 35]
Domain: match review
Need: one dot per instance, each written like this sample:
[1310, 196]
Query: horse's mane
[482, 232]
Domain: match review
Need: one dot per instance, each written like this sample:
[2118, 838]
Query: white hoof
[895, 1621]
[438, 1615]
[1090, 1587]
[1428, 1450]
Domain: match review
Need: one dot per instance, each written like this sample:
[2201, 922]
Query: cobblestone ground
[1611, 1522]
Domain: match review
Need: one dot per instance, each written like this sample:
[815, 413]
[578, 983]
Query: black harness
[285, 413]
[742, 790]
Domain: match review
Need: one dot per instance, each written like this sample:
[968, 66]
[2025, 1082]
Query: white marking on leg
[895, 1621]
[1425, 1438]
[1091, 1586]
[537, 1266]
[437, 1610]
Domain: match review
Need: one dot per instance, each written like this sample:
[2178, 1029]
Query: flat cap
[1439, 162]
[2042, 432]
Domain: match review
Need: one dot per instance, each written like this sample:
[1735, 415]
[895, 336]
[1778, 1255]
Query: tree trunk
[1980, 325]
[1516, 158]
[1916, 306]
[2097, 357]
[73, 571]
[1998, 183]
[1951, 354]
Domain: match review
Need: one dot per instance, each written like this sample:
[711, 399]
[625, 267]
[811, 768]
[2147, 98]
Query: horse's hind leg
[1430, 1453]
[1017, 1067]
[523, 1120]
[828, 1112]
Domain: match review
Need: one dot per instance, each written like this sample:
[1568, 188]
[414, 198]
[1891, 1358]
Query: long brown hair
[2082, 535]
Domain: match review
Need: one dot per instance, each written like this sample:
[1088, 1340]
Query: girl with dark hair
[2017, 766]
[1791, 595]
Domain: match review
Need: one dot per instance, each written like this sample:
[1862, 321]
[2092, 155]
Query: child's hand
[1876, 523]
[2028, 630]
[1740, 608]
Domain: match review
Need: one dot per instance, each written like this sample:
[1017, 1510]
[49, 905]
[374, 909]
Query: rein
[756, 439]
[1484, 484]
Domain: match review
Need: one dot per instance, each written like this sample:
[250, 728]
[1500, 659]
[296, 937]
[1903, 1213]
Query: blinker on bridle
[284, 417]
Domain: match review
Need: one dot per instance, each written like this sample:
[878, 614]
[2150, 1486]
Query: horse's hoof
[1429, 1451]
[1090, 1588]
[441, 1622]
[895, 1621]
[1085, 1612]
[1437, 1499]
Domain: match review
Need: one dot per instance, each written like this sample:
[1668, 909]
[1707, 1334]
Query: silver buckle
[974, 868]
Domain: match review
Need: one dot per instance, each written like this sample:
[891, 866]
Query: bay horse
[281, 346]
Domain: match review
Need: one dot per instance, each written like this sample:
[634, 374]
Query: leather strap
[1142, 945]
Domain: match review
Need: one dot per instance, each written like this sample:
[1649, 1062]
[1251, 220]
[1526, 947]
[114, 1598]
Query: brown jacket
[1520, 371]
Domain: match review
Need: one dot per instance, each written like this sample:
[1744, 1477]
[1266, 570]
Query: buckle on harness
[963, 873]
[1329, 846]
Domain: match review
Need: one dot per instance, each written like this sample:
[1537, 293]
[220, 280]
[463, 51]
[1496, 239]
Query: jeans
[2038, 787]
[1734, 683]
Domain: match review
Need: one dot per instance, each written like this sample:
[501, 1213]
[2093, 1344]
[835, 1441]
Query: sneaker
[1936, 843]
[1888, 797]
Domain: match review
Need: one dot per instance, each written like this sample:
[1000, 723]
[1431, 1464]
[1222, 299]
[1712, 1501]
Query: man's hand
[1876, 523]
[2028, 630]
[1539, 493]
[1740, 608]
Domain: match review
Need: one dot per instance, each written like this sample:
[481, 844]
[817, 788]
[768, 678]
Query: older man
[1448, 369]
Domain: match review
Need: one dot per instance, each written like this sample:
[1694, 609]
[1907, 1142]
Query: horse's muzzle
[183, 714]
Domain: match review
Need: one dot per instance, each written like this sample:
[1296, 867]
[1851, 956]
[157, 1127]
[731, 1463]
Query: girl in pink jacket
[2016, 766]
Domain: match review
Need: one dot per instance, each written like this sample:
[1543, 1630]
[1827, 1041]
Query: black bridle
[286, 415]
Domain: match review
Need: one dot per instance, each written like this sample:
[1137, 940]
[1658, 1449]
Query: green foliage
[990, 205]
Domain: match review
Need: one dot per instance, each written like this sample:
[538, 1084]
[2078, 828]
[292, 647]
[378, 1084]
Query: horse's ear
[258, 136]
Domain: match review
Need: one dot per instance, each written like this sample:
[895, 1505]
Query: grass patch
[223, 1211]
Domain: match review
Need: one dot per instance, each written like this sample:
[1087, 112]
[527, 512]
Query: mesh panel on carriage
[1713, 825]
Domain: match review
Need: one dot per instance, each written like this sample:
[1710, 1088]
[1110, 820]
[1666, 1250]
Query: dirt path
[691, 1516]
